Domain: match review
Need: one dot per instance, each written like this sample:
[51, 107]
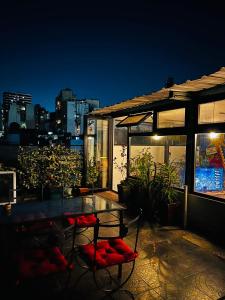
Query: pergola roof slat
[205, 82]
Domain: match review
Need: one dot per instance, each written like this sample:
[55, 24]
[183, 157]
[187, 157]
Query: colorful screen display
[209, 179]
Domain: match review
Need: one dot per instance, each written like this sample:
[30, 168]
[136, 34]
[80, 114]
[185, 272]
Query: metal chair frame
[123, 232]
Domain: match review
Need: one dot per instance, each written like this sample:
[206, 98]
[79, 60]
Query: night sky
[111, 50]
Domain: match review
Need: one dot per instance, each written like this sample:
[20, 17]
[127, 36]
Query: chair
[34, 266]
[109, 250]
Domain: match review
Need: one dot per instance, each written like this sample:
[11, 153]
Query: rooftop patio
[172, 264]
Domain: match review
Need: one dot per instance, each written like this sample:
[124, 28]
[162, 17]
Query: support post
[185, 205]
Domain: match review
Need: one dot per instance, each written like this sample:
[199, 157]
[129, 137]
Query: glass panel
[132, 120]
[210, 164]
[102, 151]
[91, 147]
[213, 112]
[164, 149]
[145, 126]
[120, 133]
[97, 149]
[119, 154]
[171, 118]
[91, 124]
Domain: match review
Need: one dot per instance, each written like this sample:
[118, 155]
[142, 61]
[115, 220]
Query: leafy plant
[166, 177]
[92, 172]
[142, 167]
[49, 166]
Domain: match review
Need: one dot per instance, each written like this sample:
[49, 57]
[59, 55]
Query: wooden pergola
[181, 92]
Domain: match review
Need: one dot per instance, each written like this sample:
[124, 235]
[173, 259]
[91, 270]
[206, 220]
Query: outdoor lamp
[156, 137]
[213, 135]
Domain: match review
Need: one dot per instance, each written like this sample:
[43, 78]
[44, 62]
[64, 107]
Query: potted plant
[164, 202]
[49, 168]
[142, 168]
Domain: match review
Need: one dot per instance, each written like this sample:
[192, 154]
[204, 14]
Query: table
[32, 212]
[29, 212]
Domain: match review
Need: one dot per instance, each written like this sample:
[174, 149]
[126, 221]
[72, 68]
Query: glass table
[29, 212]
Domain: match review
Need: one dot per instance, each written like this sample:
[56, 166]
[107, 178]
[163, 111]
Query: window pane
[132, 120]
[213, 112]
[164, 149]
[102, 151]
[145, 126]
[91, 125]
[97, 148]
[120, 133]
[171, 118]
[119, 154]
[209, 164]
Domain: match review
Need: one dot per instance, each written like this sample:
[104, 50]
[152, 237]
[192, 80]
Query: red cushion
[108, 253]
[83, 191]
[39, 262]
[83, 221]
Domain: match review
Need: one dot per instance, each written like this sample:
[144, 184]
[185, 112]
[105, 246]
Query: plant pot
[52, 193]
[169, 214]
[68, 192]
[124, 192]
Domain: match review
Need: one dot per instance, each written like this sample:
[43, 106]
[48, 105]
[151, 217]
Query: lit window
[163, 149]
[171, 118]
[210, 164]
[213, 112]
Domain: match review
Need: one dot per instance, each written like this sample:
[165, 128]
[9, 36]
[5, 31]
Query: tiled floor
[173, 264]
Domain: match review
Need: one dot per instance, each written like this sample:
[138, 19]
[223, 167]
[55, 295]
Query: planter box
[52, 193]
[133, 196]
[169, 215]
[124, 192]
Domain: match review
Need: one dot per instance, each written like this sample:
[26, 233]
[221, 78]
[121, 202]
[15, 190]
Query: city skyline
[107, 51]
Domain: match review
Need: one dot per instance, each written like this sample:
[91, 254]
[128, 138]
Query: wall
[207, 217]
[117, 175]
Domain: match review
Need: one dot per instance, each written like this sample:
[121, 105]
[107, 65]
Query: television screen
[209, 179]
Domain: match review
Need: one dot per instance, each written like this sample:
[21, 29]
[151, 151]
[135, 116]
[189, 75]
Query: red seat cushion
[83, 221]
[84, 191]
[108, 253]
[39, 262]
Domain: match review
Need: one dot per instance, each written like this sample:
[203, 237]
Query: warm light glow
[156, 137]
[213, 135]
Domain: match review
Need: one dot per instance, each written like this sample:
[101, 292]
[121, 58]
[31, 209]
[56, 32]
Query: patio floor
[173, 264]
